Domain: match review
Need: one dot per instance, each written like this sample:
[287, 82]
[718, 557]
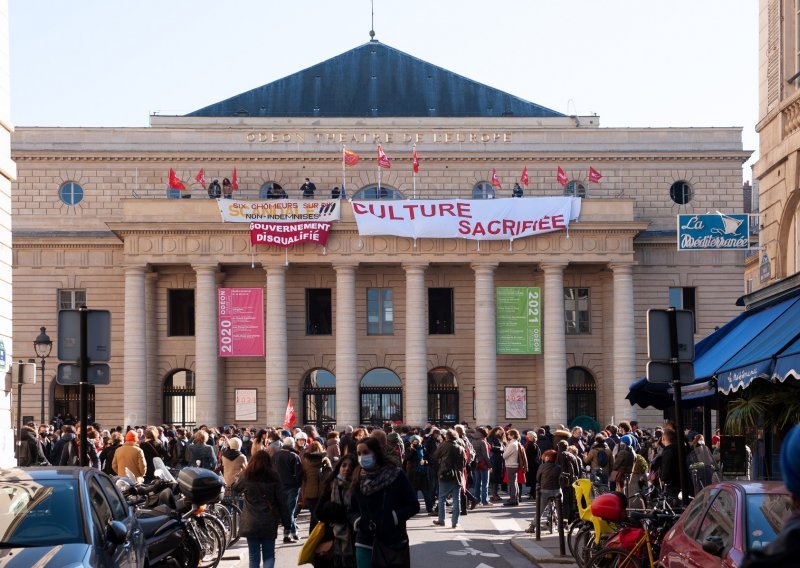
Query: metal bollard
[561, 541]
[538, 513]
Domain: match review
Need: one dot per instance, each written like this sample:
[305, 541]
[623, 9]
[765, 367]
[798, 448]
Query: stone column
[207, 392]
[555, 346]
[416, 391]
[624, 340]
[134, 384]
[277, 359]
[155, 386]
[485, 344]
[347, 386]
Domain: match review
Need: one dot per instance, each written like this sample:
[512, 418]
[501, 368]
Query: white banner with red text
[490, 219]
[279, 210]
[289, 234]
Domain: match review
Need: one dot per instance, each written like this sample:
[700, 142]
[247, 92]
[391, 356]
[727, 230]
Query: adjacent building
[368, 328]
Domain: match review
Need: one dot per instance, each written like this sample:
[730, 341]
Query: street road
[483, 541]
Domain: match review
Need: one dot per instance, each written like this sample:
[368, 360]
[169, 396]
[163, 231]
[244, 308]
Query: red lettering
[382, 213]
[463, 227]
[494, 227]
[508, 226]
[359, 208]
[558, 222]
[463, 210]
[410, 208]
[425, 214]
[446, 208]
[392, 215]
[479, 230]
[544, 224]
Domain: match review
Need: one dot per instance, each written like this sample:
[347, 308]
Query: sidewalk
[544, 553]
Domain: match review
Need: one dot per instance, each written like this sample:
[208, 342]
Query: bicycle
[549, 517]
[229, 513]
[632, 546]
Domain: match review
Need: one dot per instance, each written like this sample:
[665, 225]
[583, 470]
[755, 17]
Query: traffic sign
[98, 332]
[26, 373]
[659, 337]
[658, 372]
[70, 374]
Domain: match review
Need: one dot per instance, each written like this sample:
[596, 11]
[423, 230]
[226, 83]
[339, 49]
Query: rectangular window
[318, 311]
[576, 311]
[440, 311]
[71, 299]
[380, 311]
[684, 299]
[180, 309]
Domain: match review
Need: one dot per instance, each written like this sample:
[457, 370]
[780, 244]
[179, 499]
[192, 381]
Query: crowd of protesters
[364, 483]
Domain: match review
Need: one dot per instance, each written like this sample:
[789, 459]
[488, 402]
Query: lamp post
[43, 345]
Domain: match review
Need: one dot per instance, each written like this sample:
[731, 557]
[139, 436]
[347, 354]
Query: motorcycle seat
[153, 525]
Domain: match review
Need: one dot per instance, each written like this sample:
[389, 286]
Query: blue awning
[760, 343]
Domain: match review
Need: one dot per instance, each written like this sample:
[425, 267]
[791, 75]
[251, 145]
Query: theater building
[368, 328]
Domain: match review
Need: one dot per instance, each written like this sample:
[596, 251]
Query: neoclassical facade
[366, 329]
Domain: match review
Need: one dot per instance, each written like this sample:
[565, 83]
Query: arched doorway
[319, 398]
[67, 401]
[381, 397]
[442, 397]
[179, 398]
[581, 394]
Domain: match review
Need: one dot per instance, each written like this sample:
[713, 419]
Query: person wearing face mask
[381, 503]
[290, 473]
[701, 463]
[247, 443]
[332, 510]
[417, 470]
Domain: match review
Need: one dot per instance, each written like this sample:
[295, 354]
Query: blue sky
[635, 63]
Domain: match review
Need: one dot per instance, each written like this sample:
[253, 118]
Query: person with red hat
[130, 457]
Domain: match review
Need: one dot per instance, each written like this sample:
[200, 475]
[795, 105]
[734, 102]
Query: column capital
[486, 266]
[553, 265]
[414, 266]
[136, 269]
[275, 268]
[206, 268]
[622, 267]
[344, 266]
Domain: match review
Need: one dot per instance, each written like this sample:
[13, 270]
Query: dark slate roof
[374, 80]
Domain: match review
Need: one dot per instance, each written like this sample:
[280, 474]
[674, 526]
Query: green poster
[519, 321]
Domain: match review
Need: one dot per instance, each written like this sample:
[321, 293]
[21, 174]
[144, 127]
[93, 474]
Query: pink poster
[241, 322]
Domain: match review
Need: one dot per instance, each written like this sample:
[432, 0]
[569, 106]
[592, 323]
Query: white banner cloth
[279, 210]
[478, 219]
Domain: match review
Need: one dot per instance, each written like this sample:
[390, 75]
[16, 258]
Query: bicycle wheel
[554, 520]
[574, 529]
[583, 545]
[217, 525]
[210, 539]
[224, 515]
[613, 558]
[236, 517]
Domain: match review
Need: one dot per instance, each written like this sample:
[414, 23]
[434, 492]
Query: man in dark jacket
[30, 449]
[668, 464]
[534, 457]
[452, 461]
[290, 474]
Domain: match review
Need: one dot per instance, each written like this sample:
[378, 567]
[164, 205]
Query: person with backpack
[316, 467]
[452, 460]
[130, 457]
[599, 457]
[30, 449]
[200, 451]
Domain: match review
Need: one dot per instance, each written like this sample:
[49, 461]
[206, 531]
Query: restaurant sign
[713, 232]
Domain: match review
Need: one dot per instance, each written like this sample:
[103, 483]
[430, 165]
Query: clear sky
[633, 62]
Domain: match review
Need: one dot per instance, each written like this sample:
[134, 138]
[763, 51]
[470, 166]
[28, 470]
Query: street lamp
[43, 345]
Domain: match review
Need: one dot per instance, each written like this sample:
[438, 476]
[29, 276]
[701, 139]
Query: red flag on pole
[174, 182]
[350, 158]
[524, 178]
[383, 161]
[415, 161]
[235, 181]
[594, 175]
[289, 418]
[561, 177]
[201, 178]
[495, 179]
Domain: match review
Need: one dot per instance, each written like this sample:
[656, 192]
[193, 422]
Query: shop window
[440, 311]
[577, 315]
[318, 311]
[380, 311]
[180, 310]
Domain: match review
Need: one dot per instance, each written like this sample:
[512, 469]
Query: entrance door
[442, 397]
[381, 397]
[179, 398]
[581, 394]
[319, 399]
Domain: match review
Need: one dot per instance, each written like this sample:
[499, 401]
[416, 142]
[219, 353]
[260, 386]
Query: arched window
[319, 398]
[575, 188]
[381, 397]
[67, 401]
[442, 396]
[179, 398]
[482, 190]
[371, 192]
[271, 190]
[581, 394]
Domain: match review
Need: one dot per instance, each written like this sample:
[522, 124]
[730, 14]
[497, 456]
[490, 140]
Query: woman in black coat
[332, 510]
[262, 509]
[496, 441]
[382, 501]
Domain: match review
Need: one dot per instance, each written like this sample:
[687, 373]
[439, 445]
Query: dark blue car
[66, 516]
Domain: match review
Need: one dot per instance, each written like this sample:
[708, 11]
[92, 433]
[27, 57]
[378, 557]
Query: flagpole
[344, 190]
[414, 172]
[379, 180]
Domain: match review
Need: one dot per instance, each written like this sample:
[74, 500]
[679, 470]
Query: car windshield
[766, 513]
[39, 513]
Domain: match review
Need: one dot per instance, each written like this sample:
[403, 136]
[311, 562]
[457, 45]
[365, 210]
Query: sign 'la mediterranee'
[713, 232]
[490, 220]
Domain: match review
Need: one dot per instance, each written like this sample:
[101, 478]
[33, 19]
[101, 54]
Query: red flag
[235, 182]
[495, 179]
[383, 161]
[174, 182]
[524, 178]
[350, 158]
[561, 177]
[415, 161]
[594, 175]
[201, 178]
[289, 418]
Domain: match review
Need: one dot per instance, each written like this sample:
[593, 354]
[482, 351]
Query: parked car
[66, 516]
[724, 521]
